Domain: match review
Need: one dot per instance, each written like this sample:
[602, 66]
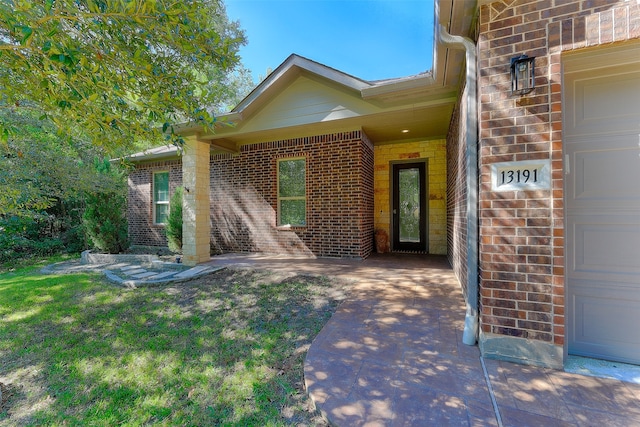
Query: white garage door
[601, 138]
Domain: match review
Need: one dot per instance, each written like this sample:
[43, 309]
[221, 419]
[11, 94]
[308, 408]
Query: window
[292, 192]
[160, 197]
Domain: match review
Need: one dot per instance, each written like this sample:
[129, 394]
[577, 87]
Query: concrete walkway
[392, 356]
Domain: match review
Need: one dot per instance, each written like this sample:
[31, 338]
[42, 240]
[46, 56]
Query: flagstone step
[134, 271]
[192, 272]
[144, 275]
[163, 275]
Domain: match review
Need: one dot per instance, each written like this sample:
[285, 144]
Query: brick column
[195, 205]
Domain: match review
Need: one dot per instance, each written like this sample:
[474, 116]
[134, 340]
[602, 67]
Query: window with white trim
[160, 197]
[292, 192]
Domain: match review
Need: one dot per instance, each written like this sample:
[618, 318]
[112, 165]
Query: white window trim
[306, 204]
[154, 202]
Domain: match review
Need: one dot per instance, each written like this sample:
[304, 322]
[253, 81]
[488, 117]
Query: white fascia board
[332, 74]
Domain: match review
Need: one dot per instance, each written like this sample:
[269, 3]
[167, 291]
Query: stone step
[192, 272]
[134, 271]
[119, 265]
[144, 275]
[163, 275]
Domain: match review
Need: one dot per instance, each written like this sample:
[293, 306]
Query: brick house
[348, 137]
[531, 194]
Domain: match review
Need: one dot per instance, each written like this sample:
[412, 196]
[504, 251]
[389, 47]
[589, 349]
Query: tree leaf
[27, 32]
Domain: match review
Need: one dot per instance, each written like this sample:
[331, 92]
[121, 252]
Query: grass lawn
[224, 349]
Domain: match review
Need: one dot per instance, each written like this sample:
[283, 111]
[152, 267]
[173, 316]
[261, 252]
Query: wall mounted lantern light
[523, 79]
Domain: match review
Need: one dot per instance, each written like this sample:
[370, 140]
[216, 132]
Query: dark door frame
[423, 244]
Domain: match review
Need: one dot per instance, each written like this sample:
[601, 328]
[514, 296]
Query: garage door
[601, 139]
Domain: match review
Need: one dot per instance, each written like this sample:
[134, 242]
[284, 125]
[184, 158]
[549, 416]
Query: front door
[409, 207]
[601, 131]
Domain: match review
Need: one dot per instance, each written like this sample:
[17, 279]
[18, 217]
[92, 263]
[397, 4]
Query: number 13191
[521, 175]
[518, 176]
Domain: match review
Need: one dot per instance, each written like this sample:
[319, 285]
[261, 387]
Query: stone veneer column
[195, 205]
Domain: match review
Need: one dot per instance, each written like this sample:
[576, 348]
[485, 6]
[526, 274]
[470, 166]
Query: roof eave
[166, 152]
[387, 88]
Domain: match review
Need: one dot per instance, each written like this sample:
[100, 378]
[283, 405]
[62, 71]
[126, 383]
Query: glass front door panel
[409, 205]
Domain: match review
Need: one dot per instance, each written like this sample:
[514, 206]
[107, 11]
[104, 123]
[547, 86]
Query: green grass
[34, 261]
[226, 349]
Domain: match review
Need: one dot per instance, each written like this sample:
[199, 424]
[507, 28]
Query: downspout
[470, 333]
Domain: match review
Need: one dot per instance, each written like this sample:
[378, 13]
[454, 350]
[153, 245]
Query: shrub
[174, 222]
[105, 221]
[74, 238]
[104, 218]
[23, 237]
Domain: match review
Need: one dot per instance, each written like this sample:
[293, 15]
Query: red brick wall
[142, 230]
[339, 197]
[244, 198]
[522, 232]
[457, 194]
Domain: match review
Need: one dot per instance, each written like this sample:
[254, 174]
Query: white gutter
[470, 333]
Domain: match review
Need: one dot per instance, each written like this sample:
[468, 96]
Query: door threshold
[603, 369]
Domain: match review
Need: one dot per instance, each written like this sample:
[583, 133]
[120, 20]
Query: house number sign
[524, 175]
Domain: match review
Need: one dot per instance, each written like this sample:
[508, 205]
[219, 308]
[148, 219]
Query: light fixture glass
[523, 79]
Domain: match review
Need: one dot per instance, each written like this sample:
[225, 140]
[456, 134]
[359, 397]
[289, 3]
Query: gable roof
[288, 70]
[302, 97]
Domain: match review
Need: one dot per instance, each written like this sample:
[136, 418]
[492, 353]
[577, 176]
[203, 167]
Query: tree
[40, 169]
[43, 183]
[117, 70]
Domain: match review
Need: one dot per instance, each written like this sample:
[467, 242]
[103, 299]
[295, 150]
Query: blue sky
[369, 39]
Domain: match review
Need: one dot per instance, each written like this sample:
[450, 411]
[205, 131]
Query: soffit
[458, 18]
[423, 122]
